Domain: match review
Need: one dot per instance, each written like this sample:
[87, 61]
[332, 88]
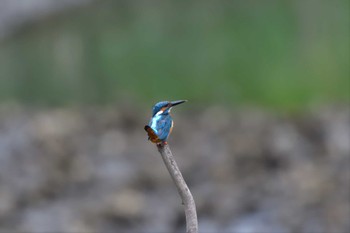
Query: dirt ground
[93, 170]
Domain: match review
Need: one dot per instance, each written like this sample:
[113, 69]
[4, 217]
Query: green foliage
[282, 54]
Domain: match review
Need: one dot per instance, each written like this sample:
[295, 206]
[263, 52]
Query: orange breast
[171, 128]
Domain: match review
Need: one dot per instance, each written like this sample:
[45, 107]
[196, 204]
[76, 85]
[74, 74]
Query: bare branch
[182, 188]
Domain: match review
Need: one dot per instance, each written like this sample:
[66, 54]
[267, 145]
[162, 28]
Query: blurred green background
[284, 55]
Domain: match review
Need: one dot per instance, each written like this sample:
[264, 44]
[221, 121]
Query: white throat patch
[159, 112]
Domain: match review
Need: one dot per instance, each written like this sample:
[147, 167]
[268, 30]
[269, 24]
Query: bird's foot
[160, 144]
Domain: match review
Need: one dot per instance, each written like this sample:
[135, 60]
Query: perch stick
[182, 188]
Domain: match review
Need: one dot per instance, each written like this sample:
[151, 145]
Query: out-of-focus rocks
[93, 170]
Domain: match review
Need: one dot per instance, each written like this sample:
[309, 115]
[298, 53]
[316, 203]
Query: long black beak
[174, 103]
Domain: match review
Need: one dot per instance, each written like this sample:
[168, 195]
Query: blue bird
[161, 123]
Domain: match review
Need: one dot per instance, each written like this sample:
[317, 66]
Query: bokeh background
[263, 143]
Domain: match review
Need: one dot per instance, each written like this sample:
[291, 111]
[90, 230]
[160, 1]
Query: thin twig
[182, 188]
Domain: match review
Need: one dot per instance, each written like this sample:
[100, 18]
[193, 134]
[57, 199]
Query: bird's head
[164, 107]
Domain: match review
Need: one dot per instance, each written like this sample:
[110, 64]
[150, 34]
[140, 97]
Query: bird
[161, 123]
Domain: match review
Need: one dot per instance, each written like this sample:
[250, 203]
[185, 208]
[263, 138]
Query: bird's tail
[151, 134]
[147, 128]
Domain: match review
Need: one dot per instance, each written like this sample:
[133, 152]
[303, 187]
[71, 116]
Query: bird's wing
[151, 134]
[163, 128]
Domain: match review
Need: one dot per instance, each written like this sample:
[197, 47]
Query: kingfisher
[161, 123]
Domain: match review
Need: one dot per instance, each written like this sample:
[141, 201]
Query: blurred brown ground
[93, 170]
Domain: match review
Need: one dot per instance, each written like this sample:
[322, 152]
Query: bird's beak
[174, 103]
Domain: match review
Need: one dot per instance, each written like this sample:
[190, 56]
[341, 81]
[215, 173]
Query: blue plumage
[158, 106]
[161, 123]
